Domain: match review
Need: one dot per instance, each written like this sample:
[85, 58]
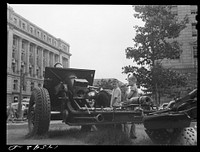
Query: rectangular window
[15, 20]
[193, 9]
[31, 30]
[32, 86]
[37, 72]
[14, 41]
[23, 26]
[195, 51]
[38, 33]
[23, 45]
[13, 66]
[194, 30]
[44, 37]
[174, 9]
[30, 71]
[15, 85]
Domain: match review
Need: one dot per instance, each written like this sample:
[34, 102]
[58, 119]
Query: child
[116, 95]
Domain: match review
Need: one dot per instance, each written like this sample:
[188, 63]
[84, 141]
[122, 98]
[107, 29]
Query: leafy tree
[155, 41]
[105, 84]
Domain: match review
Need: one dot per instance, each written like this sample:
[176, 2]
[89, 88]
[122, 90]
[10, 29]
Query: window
[15, 20]
[23, 26]
[38, 33]
[15, 85]
[31, 30]
[174, 9]
[30, 71]
[195, 51]
[14, 41]
[13, 67]
[39, 85]
[23, 45]
[194, 30]
[14, 53]
[49, 39]
[193, 9]
[37, 72]
[44, 37]
[32, 86]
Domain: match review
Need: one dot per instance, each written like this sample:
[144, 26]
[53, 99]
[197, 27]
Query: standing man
[116, 95]
[10, 112]
[131, 93]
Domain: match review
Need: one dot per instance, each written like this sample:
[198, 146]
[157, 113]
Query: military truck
[68, 95]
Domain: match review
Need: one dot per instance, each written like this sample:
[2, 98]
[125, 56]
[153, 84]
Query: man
[131, 93]
[10, 112]
[116, 95]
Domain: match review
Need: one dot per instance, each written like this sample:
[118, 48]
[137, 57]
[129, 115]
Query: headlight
[91, 94]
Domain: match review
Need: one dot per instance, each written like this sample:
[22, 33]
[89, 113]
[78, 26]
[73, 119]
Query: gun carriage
[68, 95]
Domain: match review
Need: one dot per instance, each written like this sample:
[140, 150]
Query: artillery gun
[68, 95]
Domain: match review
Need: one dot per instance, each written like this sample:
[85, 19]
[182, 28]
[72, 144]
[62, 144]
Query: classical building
[187, 62]
[29, 50]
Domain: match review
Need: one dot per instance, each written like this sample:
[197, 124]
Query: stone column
[42, 50]
[35, 60]
[19, 54]
[60, 58]
[47, 58]
[27, 58]
[9, 48]
[53, 59]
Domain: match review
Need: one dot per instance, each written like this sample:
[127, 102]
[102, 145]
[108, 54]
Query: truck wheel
[163, 136]
[188, 136]
[39, 112]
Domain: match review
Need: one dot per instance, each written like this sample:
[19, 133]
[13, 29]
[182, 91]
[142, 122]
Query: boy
[116, 95]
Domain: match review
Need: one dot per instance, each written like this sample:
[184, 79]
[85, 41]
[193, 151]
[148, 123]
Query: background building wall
[30, 49]
[187, 63]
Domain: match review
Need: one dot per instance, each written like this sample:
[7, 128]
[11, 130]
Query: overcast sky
[97, 34]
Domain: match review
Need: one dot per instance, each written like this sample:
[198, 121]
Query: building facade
[187, 62]
[29, 50]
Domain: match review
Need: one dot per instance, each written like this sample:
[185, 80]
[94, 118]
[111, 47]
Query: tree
[153, 43]
[105, 84]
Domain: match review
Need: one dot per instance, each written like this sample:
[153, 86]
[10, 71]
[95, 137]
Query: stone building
[187, 62]
[29, 50]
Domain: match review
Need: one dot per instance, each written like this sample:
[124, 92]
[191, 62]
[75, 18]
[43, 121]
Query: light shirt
[116, 93]
[133, 89]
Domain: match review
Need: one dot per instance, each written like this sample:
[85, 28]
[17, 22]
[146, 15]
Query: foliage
[105, 84]
[153, 43]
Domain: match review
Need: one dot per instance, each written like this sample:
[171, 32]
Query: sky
[97, 34]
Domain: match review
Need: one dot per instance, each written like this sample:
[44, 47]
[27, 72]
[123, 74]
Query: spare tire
[39, 112]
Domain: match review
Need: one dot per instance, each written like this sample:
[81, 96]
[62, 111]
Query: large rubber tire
[39, 113]
[188, 136]
[163, 136]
